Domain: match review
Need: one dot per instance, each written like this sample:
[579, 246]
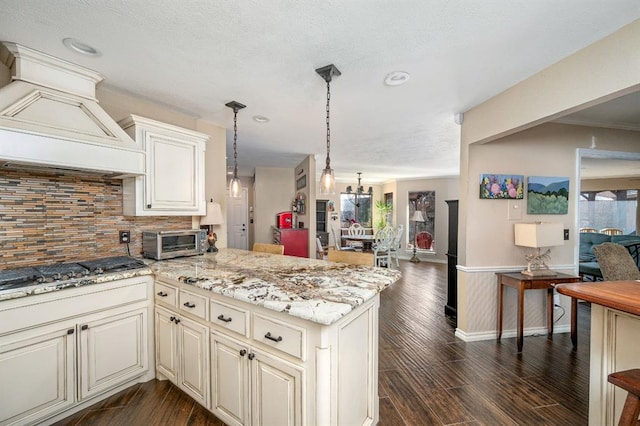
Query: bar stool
[628, 380]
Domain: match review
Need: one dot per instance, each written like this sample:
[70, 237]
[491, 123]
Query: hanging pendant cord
[328, 165]
[235, 139]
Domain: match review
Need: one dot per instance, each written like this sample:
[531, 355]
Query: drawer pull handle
[189, 305]
[222, 318]
[270, 337]
[243, 352]
[162, 294]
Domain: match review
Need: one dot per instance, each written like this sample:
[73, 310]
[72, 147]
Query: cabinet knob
[70, 331]
[84, 327]
[148, 206]
[222, 318]
[189, 305]
[177, 320]
[243, 352]
[270, 337]
[251, 356]
[162, 294]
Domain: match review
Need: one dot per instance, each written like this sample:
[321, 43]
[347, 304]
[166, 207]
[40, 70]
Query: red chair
[424, 240]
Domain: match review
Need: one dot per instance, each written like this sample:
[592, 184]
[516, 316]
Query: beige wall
[307, 168]
[273, 191]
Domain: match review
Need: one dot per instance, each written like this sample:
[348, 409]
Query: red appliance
[284, 220]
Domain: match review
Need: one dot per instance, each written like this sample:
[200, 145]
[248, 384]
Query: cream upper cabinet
[173, 183]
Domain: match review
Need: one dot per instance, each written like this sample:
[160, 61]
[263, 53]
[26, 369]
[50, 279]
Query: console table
[525, 282]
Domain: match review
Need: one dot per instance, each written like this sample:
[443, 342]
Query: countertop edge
[621, 295]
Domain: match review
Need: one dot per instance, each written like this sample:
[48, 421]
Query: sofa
[588, 266]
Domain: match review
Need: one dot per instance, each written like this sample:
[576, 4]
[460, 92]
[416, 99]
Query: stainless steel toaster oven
[161, 245]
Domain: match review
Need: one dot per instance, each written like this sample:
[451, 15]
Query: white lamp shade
[539, 234]
[417, 216]
[214, 214]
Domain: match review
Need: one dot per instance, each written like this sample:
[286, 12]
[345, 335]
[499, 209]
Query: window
[425, 202]
[609, 209]
[355, 208]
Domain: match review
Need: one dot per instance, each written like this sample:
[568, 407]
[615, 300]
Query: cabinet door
[166, 341]
[276, 391]
[229, 380]
[112, 351]
[193, 367]
[37, 373]
[173, 175]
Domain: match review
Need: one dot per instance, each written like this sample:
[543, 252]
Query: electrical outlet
[125, 237]
[566, 235]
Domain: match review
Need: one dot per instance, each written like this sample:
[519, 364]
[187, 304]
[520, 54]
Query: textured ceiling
[197, 55]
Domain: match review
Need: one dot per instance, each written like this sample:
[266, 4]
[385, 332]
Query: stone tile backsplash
[48, 217]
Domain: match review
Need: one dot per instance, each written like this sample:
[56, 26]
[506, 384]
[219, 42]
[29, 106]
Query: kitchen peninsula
[615, 332]
[267, 339]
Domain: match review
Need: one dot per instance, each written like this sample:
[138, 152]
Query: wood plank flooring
[427, 376]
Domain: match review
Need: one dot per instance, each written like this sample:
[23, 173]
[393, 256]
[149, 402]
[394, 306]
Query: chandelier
[359, 190]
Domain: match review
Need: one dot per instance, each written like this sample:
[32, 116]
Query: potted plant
[384, 212]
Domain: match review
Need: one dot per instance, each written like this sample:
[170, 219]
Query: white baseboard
[491, 335]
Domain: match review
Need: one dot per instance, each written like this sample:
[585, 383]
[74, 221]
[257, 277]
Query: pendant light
[328, 179]
[235, 187]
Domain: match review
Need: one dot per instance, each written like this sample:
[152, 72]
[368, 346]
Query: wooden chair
[319, 249]
[628, 380]
[397, 241]
[337, 240]
[424, 240]
[382, 246]
[268, 248]
[351, 257]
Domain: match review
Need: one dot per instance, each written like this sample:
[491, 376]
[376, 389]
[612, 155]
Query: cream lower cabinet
[182, 353]
[250, 386]
[271, 368]
[64, 350]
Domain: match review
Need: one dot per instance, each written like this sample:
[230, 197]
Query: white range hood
[49, 117]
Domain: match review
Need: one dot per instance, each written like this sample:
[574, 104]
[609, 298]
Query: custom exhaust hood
[50, 118]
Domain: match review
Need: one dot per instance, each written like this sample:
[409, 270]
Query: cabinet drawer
[193, 303]
[278, 335]
[230, 317]
[166, 293]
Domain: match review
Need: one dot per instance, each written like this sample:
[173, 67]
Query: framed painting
[547, 195]
[301, 182]
[495, 186]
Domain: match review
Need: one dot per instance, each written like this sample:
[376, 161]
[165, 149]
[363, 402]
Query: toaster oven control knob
[40, 280]
[57, 276]
[99, 270]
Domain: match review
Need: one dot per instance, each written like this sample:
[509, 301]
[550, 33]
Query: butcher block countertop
[621, 295]
[314, 290]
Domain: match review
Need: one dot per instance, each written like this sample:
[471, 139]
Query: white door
[166, 341]
[238, 227]
[229, 380]
[193, 371]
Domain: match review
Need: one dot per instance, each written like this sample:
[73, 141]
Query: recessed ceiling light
[260, 119]
[80, 47]
[396, 78]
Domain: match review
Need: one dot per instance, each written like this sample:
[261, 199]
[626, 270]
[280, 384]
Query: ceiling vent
[50, 117]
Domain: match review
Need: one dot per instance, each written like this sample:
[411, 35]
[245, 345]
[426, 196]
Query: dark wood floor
[427, 376]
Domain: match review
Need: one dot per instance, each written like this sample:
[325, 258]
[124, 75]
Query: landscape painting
[494, 186]
[547, 195]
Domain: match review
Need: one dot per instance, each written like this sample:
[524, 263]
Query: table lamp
[417, 217]
[538, 235]
[213, 217]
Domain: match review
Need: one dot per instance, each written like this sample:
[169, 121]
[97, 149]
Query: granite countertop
[314, 290]
[32, 290]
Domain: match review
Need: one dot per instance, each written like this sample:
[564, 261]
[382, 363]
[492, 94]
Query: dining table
[367, 240]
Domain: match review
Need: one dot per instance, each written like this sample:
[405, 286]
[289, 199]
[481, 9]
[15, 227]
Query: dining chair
[351, 257]
[268, 248]
[319, 249]
[337, 240]
[397, 241]
[616, 263]
[382, 246]
[356, 230]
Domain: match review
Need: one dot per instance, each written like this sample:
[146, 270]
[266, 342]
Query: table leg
[499, 325]
[520, 316]
[550, 311]
[574, 322]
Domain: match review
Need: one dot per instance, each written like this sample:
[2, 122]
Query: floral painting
[495, 186]
[547, 195]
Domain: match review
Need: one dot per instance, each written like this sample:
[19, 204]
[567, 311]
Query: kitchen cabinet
[57, 349]
[173, 183]
[294, 240]
[248, 383]
[182, 353]
[266, 367]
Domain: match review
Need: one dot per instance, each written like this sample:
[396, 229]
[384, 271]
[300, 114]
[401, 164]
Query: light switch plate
[515, 209]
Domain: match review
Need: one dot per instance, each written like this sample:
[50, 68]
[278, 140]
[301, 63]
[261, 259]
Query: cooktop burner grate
[12, 277]
[113, 264]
